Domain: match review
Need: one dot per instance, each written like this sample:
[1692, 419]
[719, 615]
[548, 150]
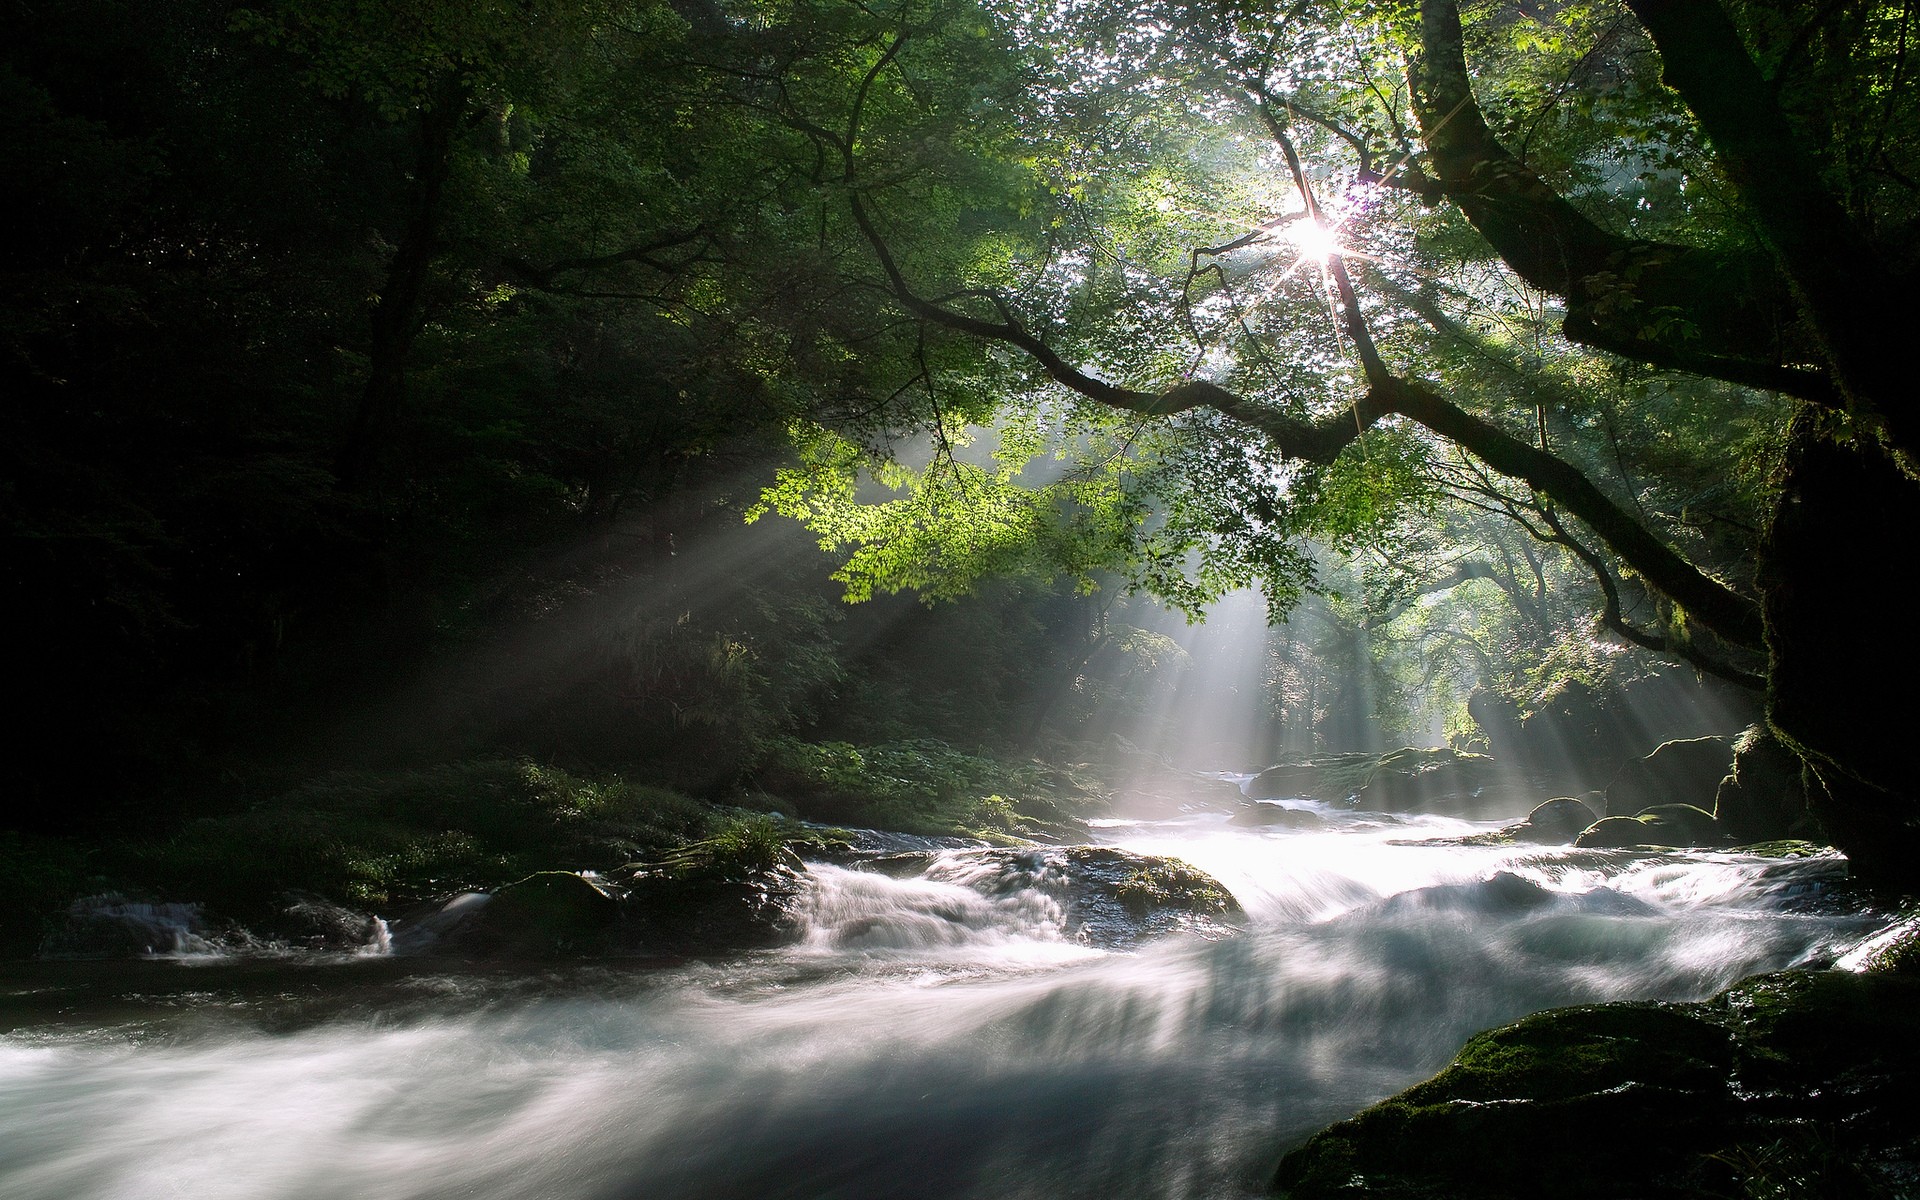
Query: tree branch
[1612, 618]
[1853, 306]
[1727, 316]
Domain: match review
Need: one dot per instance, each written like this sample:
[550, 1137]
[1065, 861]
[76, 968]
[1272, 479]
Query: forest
[1162, 598]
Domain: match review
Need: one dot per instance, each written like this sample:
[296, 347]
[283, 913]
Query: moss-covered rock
[1108, 897]
[1556, 822]
[1660, 825]
[1411, 779]
[1263, 813]
[547, 913]
[1762, 797]
[1687, 771]
[1648, 1100]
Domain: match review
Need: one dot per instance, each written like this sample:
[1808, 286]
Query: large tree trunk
[1845, 662]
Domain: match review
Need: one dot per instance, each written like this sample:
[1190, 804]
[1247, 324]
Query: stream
[928, 1035]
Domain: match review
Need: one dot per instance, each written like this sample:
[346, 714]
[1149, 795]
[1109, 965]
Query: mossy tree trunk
[1836, 579]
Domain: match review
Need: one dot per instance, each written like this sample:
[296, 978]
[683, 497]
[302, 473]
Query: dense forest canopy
[1503, 334]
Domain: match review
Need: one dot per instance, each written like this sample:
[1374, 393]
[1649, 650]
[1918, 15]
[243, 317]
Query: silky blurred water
[941, 1034]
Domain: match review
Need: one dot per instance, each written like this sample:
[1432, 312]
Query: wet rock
[1660, 825]
[1798, 1075]
[1504, 892]
[1103, 896]
[1893, 951]
[668, 915]
[115, 926]
[1612, 833]
[1266, 812]
[1762, 798]
[1329, 777]
[309, 922]
[1408, 780]
[546, 914]
[560, 914]
[1681, 825]
[1507, 894]
[1555, 823]
[1679, 772]
[1115, 898]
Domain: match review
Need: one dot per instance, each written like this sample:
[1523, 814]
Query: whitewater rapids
[933, 1035]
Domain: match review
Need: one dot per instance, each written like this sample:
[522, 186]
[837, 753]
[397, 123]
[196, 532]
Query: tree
[1721, 195]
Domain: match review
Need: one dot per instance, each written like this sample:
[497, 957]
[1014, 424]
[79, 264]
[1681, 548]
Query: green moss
[1735, 1096]
[1168, 883]
[927, 787]
[1784, 848]
[380, 839]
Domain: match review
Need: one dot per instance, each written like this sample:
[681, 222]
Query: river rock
[1116, 898]
[1555, 823]
[560, 914]
[1612, 833]
[1762, 798]
[1408, 780]
[1679, 772]
[1800, 1075]
[112, 925]
[311, 922]
[1681, 825]
[1660, 825]
[701, 915]
[547, 913]
[1267, 812]
[1329, 777]
[1107, 897]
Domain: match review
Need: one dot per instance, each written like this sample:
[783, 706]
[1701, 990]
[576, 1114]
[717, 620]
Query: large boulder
[706, 914]
[1098, 895]
[1801, 1075]
[1408, 780]
[648, 913]
[1262, 813]
[1679, 772]
[1660, 825]
[1763, 799]
[112, 925]
[1116, 898]
[1439, 780]
[546, 914]
[1329, 777]
[1556, 822]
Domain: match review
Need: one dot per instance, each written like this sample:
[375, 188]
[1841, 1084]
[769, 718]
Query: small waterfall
[956, 903]
[380, 943]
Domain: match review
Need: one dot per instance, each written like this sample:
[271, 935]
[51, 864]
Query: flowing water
[935, 1035]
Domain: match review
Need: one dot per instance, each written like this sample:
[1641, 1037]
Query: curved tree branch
[1613, 619]
[1716, 606]
[1727, 316]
